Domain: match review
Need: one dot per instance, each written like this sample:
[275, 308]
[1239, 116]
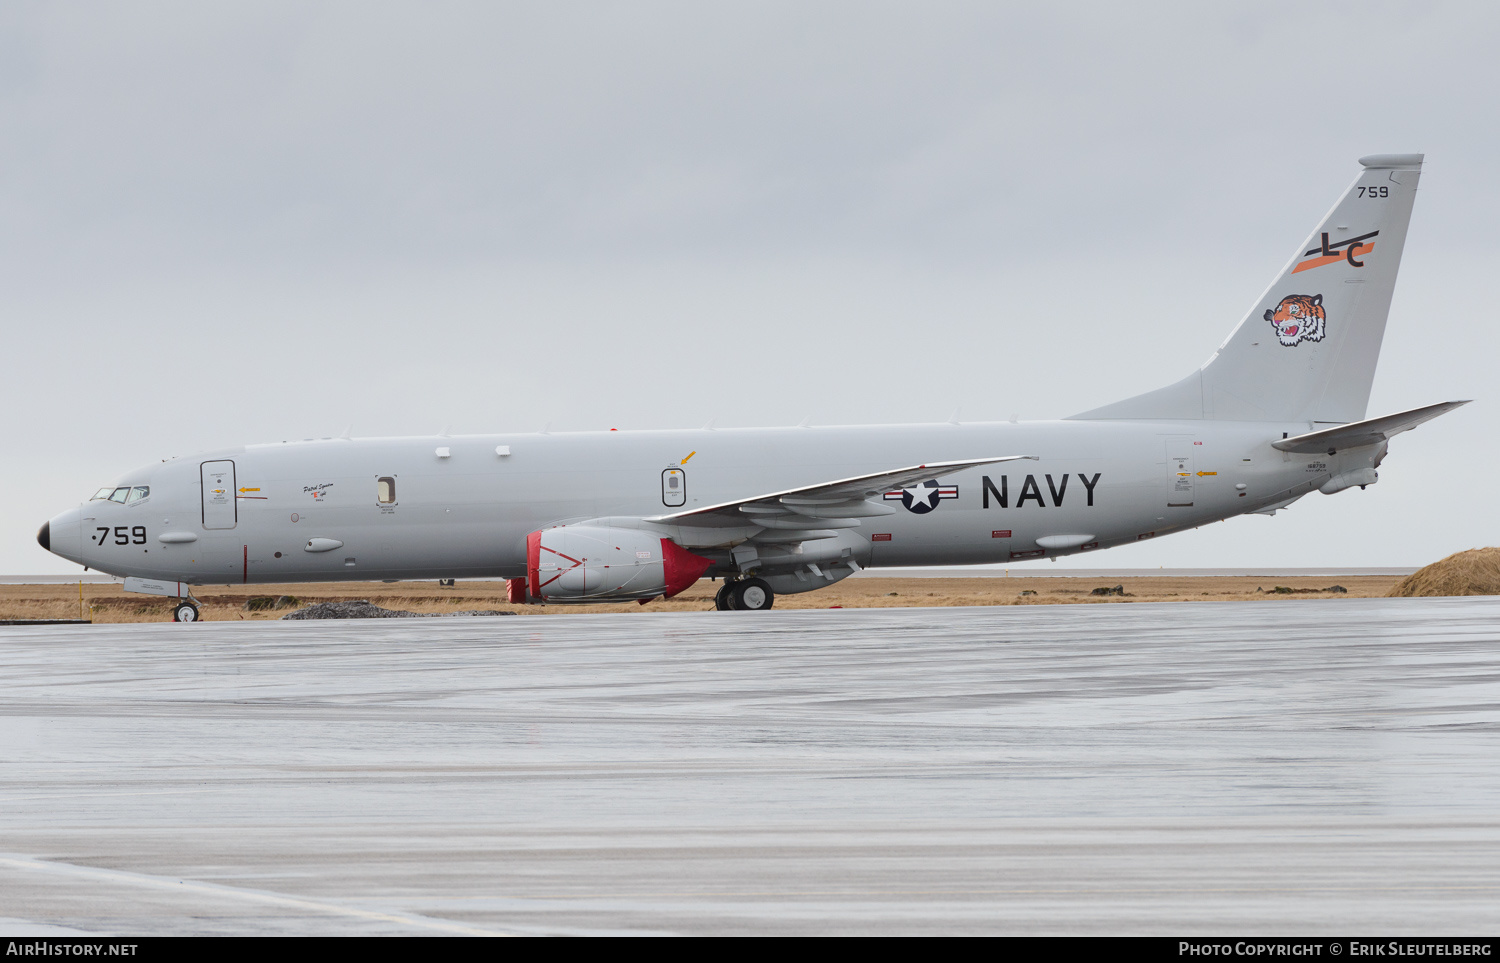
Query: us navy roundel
[922, 498]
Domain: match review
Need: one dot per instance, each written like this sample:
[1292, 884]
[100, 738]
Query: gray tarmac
[1319, 767]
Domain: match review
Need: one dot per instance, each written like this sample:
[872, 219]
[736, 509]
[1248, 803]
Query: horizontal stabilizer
[1362, 433]
[844, 489]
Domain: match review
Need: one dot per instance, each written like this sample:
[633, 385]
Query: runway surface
[1306, 767]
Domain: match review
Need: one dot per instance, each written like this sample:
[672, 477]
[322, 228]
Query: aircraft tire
[185, 612]
[724, 600]
[752, 595]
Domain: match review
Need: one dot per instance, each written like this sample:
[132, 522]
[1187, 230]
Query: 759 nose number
[123, 535]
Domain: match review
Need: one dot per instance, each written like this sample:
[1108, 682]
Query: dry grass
[109, 603]
[1475, 572]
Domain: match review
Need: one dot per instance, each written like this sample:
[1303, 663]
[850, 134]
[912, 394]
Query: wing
[843, 500]
[1361, 433]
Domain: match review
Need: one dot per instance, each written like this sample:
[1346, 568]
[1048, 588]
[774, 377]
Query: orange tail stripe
[1359, 251]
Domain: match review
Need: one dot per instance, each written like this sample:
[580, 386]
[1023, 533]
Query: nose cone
[60, 535]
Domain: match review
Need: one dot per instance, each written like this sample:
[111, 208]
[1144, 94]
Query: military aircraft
[1277, 412]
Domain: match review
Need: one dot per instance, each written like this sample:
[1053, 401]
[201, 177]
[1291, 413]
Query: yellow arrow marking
[689, 455]
[1202, 473]
[249, 489]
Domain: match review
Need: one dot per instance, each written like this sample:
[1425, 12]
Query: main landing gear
[748, 595]
[185, 611]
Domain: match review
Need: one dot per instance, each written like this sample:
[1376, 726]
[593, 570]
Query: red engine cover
[533, 562]
[681, 567]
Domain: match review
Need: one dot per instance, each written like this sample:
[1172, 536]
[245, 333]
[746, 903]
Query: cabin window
[119, 495]
[139, 492]
[102, 494]
[385, 490]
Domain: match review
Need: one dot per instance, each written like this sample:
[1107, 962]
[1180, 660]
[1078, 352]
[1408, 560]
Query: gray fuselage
[453, 507]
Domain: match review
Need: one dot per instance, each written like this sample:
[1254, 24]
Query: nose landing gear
[185, 611]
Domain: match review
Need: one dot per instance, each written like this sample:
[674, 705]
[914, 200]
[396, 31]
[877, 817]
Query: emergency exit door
[220, 510]
[673, 488]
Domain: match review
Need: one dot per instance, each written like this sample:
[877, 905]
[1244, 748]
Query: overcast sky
[224, 223]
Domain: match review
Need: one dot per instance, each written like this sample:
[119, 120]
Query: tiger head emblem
[1298, 318]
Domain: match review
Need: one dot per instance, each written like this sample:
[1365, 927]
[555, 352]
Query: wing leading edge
[844, 497]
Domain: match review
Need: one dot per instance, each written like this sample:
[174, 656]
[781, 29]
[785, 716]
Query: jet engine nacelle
[583, 563]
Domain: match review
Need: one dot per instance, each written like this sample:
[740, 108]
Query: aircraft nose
[62, 535]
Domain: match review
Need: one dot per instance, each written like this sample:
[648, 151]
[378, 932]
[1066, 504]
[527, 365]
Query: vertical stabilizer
[1307, 349]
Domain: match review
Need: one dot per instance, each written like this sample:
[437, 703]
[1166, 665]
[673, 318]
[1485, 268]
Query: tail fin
[1307, 350]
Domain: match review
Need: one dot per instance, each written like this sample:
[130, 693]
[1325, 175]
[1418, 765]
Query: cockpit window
[123, 495]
